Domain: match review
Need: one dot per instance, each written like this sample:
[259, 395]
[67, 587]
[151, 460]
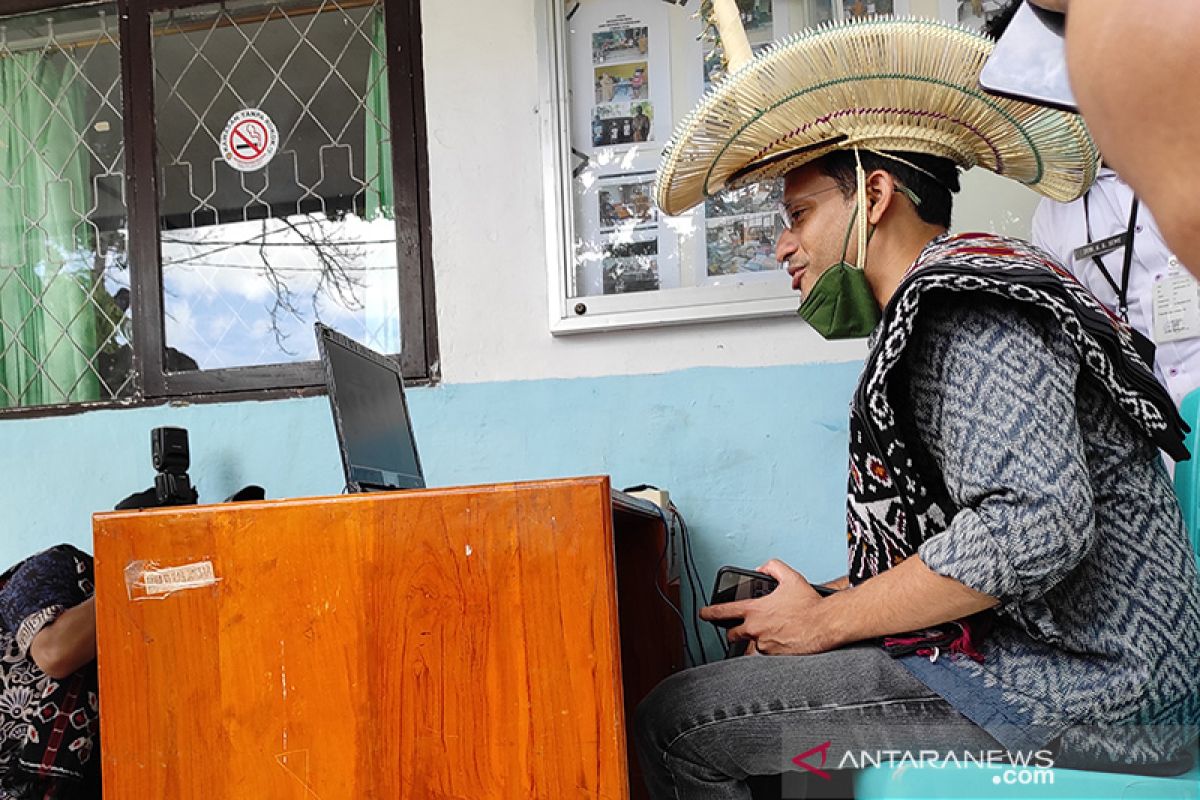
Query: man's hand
[788, 621]
[795, 620]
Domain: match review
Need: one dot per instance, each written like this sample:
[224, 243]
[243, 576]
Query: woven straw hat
[878, 84]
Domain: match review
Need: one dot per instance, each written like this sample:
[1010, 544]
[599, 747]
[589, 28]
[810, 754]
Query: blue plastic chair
[1004, 781]
[1187, 473]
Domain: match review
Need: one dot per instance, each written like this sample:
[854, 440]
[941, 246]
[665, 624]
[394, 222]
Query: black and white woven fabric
[1030, 448]
[892, 508]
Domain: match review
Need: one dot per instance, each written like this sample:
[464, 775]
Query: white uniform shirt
[1060, 228]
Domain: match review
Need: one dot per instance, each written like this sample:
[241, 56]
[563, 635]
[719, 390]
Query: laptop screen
[366, 393]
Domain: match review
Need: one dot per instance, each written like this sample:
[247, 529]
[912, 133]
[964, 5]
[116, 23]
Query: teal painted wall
[754, 458]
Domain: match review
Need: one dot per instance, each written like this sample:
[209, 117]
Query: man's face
[820, 216]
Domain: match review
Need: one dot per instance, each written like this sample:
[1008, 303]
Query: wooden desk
[451, 643]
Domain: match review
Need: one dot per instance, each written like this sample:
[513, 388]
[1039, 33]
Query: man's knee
[681, 701]
[652, 717]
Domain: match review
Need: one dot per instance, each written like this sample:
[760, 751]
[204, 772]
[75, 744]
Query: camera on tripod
[169, 452]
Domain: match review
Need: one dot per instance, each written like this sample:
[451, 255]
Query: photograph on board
[626, 204]
[631, 267]
[622, 123]
[619, 46]
[622, 83]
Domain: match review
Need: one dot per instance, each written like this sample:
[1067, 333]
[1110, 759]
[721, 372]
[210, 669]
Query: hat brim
[877, 84]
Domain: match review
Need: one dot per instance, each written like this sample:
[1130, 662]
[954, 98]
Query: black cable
[668, 535]
[691, 558]
[701, 600]
[693, 577]
[692, 572]
[691, 657]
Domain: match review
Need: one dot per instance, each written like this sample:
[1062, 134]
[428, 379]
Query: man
[641, 125]
[49, 706]
[605, 86]
[636, 82]
[1014, 543]
[1130, 66]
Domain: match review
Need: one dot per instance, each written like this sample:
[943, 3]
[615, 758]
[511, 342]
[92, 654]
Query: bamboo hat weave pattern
[877, 84]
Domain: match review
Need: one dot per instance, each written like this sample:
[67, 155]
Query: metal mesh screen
[254, 253]
[64, 278]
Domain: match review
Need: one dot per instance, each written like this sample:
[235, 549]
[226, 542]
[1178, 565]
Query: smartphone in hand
[735, 583]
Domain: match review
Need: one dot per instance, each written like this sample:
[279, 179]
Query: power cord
[693, 573]
[667, 528]
[688, 568]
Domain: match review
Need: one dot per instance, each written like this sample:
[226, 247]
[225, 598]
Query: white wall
[482, 88]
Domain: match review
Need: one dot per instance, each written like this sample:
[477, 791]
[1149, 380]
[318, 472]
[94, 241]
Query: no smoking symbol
[250, 140]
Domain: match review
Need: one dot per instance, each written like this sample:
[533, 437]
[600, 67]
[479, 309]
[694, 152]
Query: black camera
[169, 452]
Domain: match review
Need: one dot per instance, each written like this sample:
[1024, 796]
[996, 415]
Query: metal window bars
[252, 258]
[64, 282]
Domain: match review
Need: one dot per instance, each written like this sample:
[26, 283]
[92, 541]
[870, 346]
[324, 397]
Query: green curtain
[380, 189]
[47, 321]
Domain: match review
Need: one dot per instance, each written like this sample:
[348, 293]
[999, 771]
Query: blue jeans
[703, 731]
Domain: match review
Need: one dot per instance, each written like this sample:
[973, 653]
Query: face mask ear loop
[860, 178]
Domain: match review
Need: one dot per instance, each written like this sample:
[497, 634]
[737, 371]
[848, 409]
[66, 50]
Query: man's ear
[881, 189]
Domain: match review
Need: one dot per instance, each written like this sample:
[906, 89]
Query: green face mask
[841, 304]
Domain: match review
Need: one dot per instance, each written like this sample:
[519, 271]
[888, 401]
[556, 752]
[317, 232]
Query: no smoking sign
[249, 141]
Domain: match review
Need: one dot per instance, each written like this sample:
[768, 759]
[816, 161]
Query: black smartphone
[1029, 61]
[735, 583]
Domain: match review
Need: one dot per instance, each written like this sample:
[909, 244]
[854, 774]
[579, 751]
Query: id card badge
[1176, 305]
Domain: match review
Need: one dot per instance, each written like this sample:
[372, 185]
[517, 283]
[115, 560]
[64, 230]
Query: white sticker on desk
[145, 579]
[1176, 306]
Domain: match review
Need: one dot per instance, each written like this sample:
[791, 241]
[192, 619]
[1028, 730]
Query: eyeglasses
[786, 215]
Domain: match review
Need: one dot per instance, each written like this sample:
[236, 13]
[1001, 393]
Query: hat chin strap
[860, 179]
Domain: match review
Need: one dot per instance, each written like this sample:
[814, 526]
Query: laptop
[370, 415]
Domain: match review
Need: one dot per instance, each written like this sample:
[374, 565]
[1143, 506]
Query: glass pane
[634, 69]
[866, 8]
[976, 13]
[274, 152]
[64, 278]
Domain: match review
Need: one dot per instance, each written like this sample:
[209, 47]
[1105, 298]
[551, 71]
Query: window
[270, 175]
[623, 72]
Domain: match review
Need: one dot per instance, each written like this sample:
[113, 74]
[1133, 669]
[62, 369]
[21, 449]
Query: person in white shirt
[1161, 300]
[1130, 65]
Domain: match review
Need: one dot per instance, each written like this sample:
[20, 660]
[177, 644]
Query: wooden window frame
[153, 383]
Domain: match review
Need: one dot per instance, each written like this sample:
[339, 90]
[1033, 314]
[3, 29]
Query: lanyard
[1123, 289]
[1144, 346]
